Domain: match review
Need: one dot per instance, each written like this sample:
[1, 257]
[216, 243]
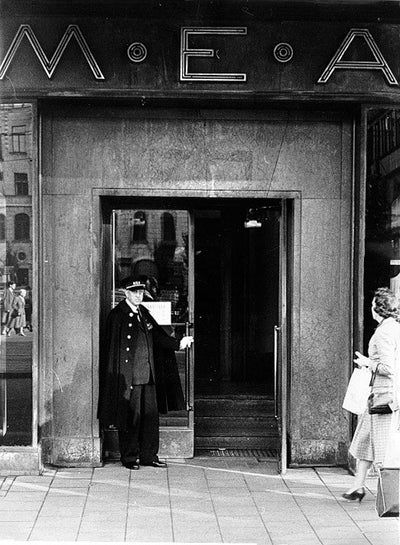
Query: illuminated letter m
[50, 65]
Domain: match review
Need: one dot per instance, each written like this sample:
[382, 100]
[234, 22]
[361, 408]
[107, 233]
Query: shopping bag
[387, 496]
[392, 453]
[358, 390]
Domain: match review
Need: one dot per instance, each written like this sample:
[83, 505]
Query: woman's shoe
[355, 495]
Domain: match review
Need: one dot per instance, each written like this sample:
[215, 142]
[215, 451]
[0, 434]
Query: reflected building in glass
[382, 223]
[16, 267]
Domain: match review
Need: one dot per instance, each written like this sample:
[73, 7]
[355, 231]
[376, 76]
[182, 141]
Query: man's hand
[186, 342]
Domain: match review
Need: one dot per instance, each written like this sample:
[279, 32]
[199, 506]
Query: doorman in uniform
[134, 384]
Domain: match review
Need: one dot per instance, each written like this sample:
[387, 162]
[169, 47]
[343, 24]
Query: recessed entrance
[214, 270]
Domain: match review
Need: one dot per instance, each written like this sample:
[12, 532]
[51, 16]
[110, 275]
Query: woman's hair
[386, 304]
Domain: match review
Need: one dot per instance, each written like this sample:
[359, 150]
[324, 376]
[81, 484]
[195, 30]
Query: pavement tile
[75, 473]
[361, 540]
[230, 492]
[27, 495]
[339, 532]
[106, 537]
[113, 517]
[296, 540]
[230, 500]
[380, 525]
[52, 535]
[150, 501]
[246, 535]
[17, 516]
[70, 483]
[200, 534]
[236, 510]
[54, 493]
[58, 522]
[99, 528]
[162, 537]
[384, 538]
[282, 516]
[246, 521]
[13, 505]
[321, 521]
[94, 506]
[192, 505]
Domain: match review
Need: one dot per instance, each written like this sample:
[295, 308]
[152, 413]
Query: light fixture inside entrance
[249, 224]
[253, 218]
[257, 217]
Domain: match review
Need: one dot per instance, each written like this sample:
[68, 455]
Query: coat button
[127, 348]
[129, 337]
[129, 325]
[130, 314]
[126, 361]
[131, 387]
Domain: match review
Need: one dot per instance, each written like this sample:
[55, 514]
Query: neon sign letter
[187, 53]
[379, 63]
[50, 65]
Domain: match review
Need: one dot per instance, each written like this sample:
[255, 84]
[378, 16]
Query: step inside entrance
[236, 308]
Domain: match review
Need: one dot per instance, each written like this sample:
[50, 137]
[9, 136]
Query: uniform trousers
[140, 440]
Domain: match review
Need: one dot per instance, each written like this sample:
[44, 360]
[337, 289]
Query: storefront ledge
[72, 451]
[317, 452]
[20, 461]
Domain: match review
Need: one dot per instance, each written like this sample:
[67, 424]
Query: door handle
[276, 338]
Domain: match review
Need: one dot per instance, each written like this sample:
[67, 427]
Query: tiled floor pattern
[204, 500]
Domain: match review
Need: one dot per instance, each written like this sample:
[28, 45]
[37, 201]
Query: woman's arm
[385, 352]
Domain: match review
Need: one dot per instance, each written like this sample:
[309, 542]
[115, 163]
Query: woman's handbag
[358, 390]
[4, 317]
[387, 496]
[379, 399]
[379, 402]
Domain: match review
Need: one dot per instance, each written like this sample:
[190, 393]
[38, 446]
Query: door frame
[290, 285]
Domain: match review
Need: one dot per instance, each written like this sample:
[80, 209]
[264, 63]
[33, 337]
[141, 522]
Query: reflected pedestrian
[18, 318]
[7, 306]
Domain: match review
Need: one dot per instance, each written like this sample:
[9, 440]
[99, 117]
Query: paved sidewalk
[205, 500]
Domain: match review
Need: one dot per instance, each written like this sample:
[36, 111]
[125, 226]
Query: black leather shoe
[356, 495]
[156, 463]
[132, 465]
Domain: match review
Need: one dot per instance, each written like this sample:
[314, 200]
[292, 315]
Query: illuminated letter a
[378, 64]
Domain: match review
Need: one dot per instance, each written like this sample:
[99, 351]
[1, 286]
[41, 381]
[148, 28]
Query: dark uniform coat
[118, 370]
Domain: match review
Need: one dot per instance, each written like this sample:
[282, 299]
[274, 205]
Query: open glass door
[156, 245]
[280, 342]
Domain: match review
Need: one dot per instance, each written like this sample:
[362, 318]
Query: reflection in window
[21, 183]
[22, 231]
[139, 227]
[168, 227]
[159, 257]
[382, 257]
[16, 266]
[2, 227]
[18, 138]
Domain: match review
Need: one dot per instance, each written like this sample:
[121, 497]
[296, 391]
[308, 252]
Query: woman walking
[372, 432]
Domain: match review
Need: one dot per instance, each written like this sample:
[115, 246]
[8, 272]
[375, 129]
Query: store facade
[236, 161]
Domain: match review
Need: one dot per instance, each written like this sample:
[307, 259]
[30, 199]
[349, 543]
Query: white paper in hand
[358, 390]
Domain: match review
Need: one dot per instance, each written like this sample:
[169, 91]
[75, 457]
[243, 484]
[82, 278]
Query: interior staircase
[235, 422]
